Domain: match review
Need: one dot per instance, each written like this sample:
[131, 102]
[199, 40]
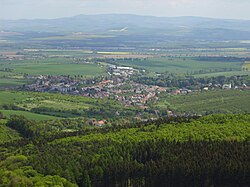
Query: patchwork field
[58, 52]
[181, 65]
[8, 82]
[12, 97]
[52, 66]
[28, 115]
[227, 74]
[30, 100]
[58, 105]
[41, 106]
[230, 101]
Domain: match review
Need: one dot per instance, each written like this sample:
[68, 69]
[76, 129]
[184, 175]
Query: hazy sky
[16, 9]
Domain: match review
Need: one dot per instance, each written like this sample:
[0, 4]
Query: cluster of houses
[210, 86]
[181, 91]
[9, 56]
[121, 71]
[128, 93]
[117, 86]
[62, 84]
[228, 86]
[139, 95]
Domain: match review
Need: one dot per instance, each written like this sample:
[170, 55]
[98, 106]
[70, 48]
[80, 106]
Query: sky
[31, 9]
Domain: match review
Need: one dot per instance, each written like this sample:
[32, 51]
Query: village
[117, 85]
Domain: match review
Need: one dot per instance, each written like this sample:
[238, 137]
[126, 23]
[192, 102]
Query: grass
[12, 97]
[28, 115]
[227, 74]
[58, 53]
[53, 66]
[29, 100]
[221, 101]
[8, 82]
[60, 69]
[55, 104]
[180, 65]
[63, 104]
[6, 74]
[66, 106]
[59, 65]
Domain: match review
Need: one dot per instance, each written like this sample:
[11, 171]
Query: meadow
[10, 83]
[226, 74]
[42, 106]
[52, 66]
[219, 101]
[51, 105]
[17, 69]
[26, 114]
[181, 65]
[30, 100]
[59, 53]
[8, 97]
[70, 62]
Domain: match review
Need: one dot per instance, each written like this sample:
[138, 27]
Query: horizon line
[126, 14]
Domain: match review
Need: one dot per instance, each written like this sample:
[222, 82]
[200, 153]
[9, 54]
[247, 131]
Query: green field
[28, 115]
[45, 103]
[59, 69]
[60, 53]
[227, 74]
[9, 83]
[8, 97]
[53, 66]
[221, 101]
[29, 100]
[180, 65]
[50, 105]
[66, 106]
[48, 66]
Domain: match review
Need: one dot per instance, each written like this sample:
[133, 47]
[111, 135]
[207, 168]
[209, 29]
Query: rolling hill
[168, 27]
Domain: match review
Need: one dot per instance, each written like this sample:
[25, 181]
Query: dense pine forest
[177, 151]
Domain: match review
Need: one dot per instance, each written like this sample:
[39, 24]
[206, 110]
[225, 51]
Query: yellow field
[246, 66]
[113, 53]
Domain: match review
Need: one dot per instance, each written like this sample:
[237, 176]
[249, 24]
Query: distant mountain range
[188, 27]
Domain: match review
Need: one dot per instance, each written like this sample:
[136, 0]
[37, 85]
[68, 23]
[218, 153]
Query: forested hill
[207, 151]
